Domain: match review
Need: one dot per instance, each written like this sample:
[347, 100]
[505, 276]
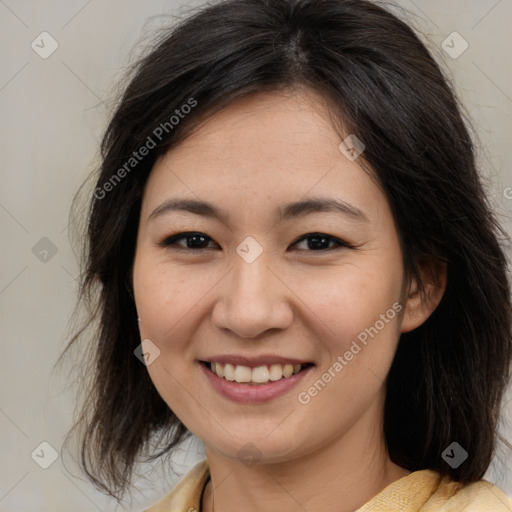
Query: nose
[253, 299]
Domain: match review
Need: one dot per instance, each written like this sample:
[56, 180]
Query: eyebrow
[314, 205]
[291, 210]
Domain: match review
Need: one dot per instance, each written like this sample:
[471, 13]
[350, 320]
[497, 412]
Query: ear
[419, 306]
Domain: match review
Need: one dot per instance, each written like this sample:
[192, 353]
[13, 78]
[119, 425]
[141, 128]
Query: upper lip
[254, 362]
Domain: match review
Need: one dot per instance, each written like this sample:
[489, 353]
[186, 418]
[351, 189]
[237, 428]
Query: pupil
[316, 241]
[196, 240]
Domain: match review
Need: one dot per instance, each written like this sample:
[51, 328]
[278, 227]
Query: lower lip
[249, 393]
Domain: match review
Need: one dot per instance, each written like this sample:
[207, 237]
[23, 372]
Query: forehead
[264, 149]
[266, 124]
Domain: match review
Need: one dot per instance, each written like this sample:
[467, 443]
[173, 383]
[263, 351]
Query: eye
[319, 242]
[195, 241]
[187, 241]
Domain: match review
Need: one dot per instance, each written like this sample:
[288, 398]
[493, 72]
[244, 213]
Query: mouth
[257, 375]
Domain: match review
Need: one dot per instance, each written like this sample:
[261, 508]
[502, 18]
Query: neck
[338, 477]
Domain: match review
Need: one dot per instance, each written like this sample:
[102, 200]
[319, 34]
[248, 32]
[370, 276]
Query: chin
[258, 447]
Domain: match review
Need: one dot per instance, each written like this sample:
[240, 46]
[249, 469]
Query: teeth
[287, 370]
[276, 372]
[258, 375]
[243, 374]
[219, 369]
[229, 371]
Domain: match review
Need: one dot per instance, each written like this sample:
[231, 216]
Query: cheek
[356, 314]
[166, 300]
[351, 379]
[343, 302]
[165, 296]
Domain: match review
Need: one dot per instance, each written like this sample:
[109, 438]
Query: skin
[251, 158]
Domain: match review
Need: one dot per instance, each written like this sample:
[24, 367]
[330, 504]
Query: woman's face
[296, 261]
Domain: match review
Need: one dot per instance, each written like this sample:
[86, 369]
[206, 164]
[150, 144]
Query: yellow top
[420, 491]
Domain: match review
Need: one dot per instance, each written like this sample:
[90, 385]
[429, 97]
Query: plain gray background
[53, 112]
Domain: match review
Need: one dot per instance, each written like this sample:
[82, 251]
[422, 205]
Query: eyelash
[170, 242]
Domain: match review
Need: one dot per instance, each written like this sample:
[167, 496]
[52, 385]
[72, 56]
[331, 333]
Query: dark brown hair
[448, 375]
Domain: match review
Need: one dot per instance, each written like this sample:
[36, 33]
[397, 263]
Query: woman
[294, 260]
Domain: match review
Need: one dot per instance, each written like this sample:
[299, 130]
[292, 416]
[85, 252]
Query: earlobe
[418, 304]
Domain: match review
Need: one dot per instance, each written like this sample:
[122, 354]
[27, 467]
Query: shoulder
[421, 491]
[186, 495]
[479, 496]
[427, 491]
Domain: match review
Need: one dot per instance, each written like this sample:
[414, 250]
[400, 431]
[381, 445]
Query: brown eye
[190, 240]
[320, 242]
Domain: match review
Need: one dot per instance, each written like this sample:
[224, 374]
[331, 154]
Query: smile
[258, 375]
[257, 383]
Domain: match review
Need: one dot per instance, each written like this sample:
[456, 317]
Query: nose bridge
[254, 300]
[253, 281]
